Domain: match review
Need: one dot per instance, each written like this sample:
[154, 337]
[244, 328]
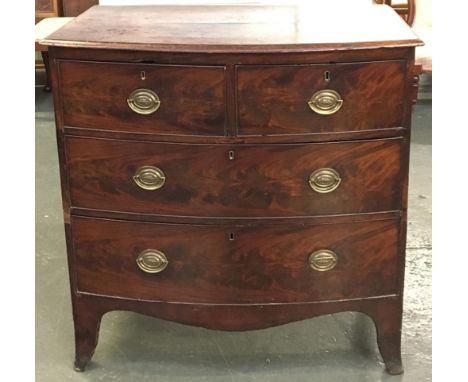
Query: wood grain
[236, 264]
[233, 58]
[272, 100]
[386, 313]
[262, 180]
[192, 98]
[262, 196]
[393, 132]
[238, 28]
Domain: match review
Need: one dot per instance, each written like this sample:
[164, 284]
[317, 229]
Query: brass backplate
[152, 261]
[326, 102]
[143, 101]
[149, 178]
[323, 260]
[324, 180]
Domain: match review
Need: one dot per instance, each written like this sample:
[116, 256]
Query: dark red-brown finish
[94, 95]
[238, 232]
[236, 28]
[261, 180]
[235, 264]
[386, 313]
[273, 100]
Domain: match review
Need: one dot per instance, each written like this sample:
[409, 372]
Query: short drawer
[235, 264]
[234, 181]
[320, 98]
[189, 100]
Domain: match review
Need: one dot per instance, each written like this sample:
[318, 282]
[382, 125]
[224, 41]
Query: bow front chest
[235, 167]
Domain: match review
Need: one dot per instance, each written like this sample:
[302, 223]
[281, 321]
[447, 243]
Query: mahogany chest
[235, 167]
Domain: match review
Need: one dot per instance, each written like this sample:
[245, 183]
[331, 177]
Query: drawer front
[234, 181]
[189, 99]
[235, 264]
[274, 100]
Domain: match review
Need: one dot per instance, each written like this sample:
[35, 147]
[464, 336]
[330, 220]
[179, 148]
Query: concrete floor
[133, 347]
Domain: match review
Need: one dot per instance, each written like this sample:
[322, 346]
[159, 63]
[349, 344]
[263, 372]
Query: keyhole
[231, 155]
[231, 236]
[327, 75]
[143, 75]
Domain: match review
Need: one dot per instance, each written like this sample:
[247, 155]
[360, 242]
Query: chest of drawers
[234, 168]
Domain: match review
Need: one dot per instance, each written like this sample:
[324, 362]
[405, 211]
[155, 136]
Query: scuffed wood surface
[236, 28]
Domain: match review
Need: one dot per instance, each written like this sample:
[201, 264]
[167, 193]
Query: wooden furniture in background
[44, 28]
[55, 9]
[407, 9]
[45, 9]
[72, 8]
[236, 167]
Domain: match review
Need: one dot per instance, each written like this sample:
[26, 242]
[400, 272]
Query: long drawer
[235, 264]
[234, 181]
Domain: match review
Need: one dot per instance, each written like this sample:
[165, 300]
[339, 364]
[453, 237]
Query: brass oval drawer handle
[149, 178]
[143, 101]
[323, 260]
[152, 261]
[326, 102]
[324, 180]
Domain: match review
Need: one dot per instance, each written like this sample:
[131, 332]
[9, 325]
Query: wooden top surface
[317, 26]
